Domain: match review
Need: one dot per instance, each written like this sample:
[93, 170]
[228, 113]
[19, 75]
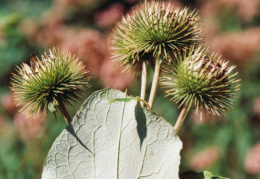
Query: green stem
[65, 113]
[143, 82]
[180, 119]
[155, 82]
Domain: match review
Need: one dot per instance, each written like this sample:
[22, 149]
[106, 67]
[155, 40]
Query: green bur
[205, 83]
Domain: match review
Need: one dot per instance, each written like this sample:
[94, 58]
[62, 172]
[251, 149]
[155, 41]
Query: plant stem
[141, 100]
[181, 118]
[155, 82]
[65, 113]
[143, 82]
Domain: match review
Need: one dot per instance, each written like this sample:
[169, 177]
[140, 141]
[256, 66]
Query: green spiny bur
[53, 81]
[195, 80]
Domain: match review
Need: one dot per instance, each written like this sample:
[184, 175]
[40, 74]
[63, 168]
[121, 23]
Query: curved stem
[143, 101]
[143, 82]
[180, 119]
[155, 82]
[65, 113]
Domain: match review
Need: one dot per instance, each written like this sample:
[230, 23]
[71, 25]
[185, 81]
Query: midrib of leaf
[119, 139]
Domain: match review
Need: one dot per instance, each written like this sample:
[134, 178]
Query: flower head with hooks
[206, 83]
[54, 81]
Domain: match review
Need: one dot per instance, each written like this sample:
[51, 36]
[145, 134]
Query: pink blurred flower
[243, 8]
[54, 17]
[108, 16]
[52, 29]
[7, 102]
[246, 10]
[73, 3]
[252, 161]
[29, 128]
[205, 158]
[238, 47]
[112, 76]
[49, 31]
[90, 46]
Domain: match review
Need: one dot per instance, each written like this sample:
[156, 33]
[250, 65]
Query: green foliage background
[234, 135]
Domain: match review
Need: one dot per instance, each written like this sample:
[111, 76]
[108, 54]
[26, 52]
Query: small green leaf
[52, 106]
[128, 99]
[122, 100]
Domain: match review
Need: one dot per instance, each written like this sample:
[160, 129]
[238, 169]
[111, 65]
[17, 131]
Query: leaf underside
[114, 140]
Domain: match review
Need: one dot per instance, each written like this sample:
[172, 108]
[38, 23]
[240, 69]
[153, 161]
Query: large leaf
[114, 140]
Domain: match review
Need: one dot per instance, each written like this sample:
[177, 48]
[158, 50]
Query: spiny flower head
[206, 83]
[56, 79]
[151, 33]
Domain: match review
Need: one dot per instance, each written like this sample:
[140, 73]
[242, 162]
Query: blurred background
[227, 146]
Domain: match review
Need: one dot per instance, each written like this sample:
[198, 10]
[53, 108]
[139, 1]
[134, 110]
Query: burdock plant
[112, 136]
[150, 35]
[52, 81]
